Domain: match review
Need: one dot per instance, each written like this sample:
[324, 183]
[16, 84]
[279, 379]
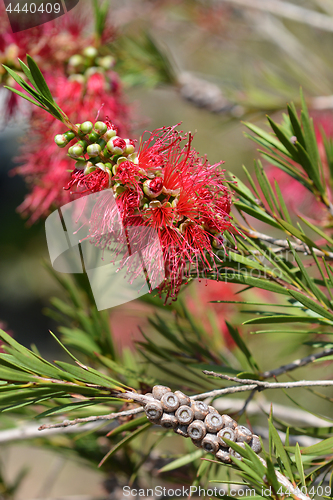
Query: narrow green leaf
[251, 181]
[280, 134]
[310, 304]
[267, 137]
[271, 476]
[280, 451]
[181, 461]
[282, 203]
[39, 79]
[256, 213]
[295, 122]
[287, 318]
[299, 465]
[242, 346]
[322, 448]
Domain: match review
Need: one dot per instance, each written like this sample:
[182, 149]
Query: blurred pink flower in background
[45, 167]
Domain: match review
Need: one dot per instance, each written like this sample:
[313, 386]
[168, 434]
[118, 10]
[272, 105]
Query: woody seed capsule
[214, 422]
[200, 409]
[159, 390]
[212, 409]
[243, 434]
[255, 444]
[223, 455]
[228, 433]
[234, 453]
[184, 414]
[210, 443]
[153, 410]
[181, 430]
[183, 399]
[169, 421]
[229, 422]
[169, 402]
[196, 430]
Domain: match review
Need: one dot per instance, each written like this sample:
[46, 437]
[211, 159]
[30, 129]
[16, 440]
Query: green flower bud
[121, 159]
[75, 63]
[106, 62]
[86, 127]
[101, 143]
[89, 168]
[106, 153]
[109, 134]
[120, 189]
[133, 157]
[81, 164]
[95, 160]
[69, 135]
[90, 52]
[101, 166]
[79, 131]
[93, 70]
[75, 151]
[100, 128]
[93, 137]
[93, 150]
[129, 147]
[82, 143]
[60, 140]
[77, 78]
[75, 60]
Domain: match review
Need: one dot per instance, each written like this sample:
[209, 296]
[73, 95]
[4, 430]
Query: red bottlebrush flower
[169, 189]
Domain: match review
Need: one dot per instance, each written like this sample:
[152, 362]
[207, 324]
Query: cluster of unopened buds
[81, 66]
[200, 422]
[105, 150]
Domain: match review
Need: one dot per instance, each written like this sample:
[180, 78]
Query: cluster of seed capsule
[198, 421]
[96, 140]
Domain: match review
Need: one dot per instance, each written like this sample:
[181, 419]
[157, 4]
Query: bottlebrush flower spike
[165, 186]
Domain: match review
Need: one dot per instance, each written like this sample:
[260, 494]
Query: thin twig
[297, 364]
[298, 247]
[258, 385]
[110, 416]
[289, 10]
[247, 401]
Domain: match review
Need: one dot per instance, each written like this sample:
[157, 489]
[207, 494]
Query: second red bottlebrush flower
[165, 186]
